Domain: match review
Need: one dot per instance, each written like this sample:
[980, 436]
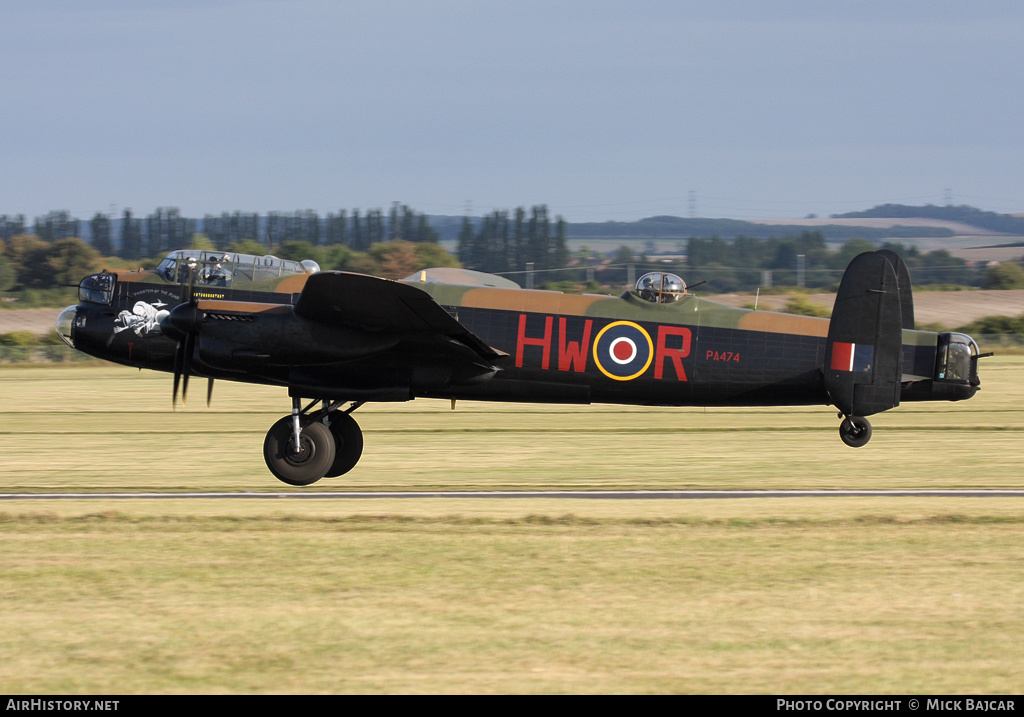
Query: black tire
[303, 468]
[855, 431]
[348, 444]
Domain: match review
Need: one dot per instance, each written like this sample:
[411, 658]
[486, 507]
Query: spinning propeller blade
[182, 321]
[178, 360]
[190, 342]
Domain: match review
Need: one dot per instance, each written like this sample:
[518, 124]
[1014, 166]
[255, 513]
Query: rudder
[864, 354]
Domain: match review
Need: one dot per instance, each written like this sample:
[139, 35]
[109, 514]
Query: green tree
[68, 260]
[941, 267]
[430, 254]
[56, 225]
[27, 254]
[201, 242]
[335, 258]
[423, 232]
[851, 250]
[8, 276]
[623, 255]
[362, 263]
[358, 232]
[560, 257]
[300, 251]
[18, 338]
[11, 226]
[1004, 275]
[102, 241]
[131, 236]
[705, 252]
[374, 226]
[519, 239]
[247, 246]
[464, 244]
[539, 237]
[397, 258]
[336, 231]
[393, 229]
[908, 253]
[720, 278]
[998, 324]
[800, 304]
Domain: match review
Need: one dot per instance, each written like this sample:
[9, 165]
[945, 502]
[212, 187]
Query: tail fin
[903, 280]
[864, 354]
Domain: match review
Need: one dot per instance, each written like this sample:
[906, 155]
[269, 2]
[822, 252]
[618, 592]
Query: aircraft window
[175, 266]
[168, 267]
[958, 362]
[97, 288]
[267, 267]
[216, 268]
[241, 268]
[660, 288]
[954, 357]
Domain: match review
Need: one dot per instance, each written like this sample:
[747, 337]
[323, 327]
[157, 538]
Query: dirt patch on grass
[38, 321]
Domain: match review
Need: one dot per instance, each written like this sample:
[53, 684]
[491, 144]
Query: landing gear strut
[855, 431]
[304, 447]
[300, 463]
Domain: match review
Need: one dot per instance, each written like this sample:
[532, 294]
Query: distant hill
[949, 222]
[670, 228]
[1002, 223]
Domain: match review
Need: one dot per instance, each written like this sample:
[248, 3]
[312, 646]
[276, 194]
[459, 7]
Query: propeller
[181, 324]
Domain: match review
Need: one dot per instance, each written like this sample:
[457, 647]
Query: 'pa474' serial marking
[621, 350]
[733, 356]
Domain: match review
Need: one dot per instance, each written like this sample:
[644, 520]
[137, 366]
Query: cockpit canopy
[97, 288]
[660, 288]
[220, 268]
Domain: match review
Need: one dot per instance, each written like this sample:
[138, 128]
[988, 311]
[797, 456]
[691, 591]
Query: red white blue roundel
[623, 350]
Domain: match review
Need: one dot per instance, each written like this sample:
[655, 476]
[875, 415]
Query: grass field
[789, 595]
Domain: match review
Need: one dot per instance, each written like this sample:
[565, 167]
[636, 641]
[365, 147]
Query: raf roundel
[623, 350]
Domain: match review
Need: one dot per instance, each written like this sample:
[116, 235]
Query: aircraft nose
[65, 323]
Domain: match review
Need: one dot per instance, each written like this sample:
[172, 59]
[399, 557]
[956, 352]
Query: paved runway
[589, 495]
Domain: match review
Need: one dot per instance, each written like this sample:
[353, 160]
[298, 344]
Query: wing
[368, 303]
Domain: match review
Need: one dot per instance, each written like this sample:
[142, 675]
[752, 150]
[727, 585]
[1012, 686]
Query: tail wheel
[855, 431]
[308, 464]
[348, 441]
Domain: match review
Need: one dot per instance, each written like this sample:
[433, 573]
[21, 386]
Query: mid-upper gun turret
[660, 288]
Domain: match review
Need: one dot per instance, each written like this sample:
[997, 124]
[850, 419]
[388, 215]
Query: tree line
[805, 260]
[505, 242]
[131, 237]
[48, 252]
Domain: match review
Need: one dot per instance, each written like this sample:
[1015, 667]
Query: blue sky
[602, 110]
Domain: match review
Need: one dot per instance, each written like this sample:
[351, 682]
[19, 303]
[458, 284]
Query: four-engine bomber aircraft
[340, 339]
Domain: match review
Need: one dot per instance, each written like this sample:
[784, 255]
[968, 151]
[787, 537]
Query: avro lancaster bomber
[338, 340]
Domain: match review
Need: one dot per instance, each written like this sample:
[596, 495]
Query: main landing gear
[855, 430]
[304, 447]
